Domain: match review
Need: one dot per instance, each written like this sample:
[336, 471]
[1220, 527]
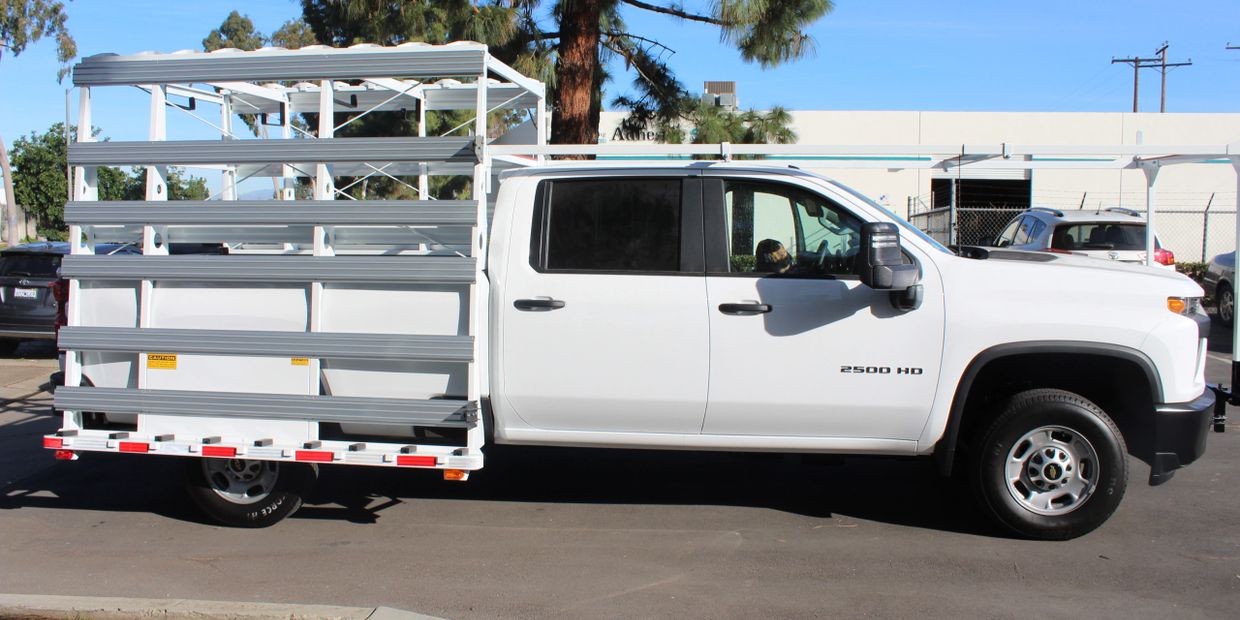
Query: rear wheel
[1052, 466]
[248, 493]
[1226, 301]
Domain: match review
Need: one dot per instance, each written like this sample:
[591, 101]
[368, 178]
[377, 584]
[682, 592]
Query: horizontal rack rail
[269, 212]
[450, 413]
[225, 152]
[312, 63]
[269, 343]
[278, 268]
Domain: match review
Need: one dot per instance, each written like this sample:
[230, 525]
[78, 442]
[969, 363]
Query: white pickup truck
[690, 305]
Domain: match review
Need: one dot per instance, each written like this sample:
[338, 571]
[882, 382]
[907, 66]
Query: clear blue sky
[871, 54]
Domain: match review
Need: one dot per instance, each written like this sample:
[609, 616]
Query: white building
[1185, 192]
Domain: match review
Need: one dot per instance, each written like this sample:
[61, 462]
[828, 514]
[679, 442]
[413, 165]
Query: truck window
[611, 225]
[1005, 238]
[779, 229]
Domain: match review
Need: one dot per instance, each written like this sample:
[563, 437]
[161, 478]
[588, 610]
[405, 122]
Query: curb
[56, 607]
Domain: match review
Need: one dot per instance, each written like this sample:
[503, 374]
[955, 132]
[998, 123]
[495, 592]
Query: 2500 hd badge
[879, 370]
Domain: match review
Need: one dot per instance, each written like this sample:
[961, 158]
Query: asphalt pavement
[576, 532]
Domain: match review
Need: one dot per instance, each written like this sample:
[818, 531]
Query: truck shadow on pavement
[890, 490]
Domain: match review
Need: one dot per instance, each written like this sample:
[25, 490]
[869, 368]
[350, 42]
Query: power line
[1160, 63]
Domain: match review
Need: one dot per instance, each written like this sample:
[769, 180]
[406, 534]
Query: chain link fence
[1193, 232]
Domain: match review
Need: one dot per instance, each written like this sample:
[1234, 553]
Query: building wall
[1179, 187]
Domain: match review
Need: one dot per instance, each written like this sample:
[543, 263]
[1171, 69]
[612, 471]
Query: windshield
[895, 218]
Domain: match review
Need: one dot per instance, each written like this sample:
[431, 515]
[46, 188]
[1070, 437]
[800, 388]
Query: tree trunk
[575, 73]
[10, 211]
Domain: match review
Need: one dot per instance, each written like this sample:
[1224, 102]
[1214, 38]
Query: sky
[870, 55]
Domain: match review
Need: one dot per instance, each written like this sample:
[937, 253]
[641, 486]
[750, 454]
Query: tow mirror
[882, 261]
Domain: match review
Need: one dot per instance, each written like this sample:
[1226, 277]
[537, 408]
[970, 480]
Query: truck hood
[1072, 271]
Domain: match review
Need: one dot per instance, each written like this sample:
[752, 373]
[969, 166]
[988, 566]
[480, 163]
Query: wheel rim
[1226, 305]
[1052, 470]
[241, 481]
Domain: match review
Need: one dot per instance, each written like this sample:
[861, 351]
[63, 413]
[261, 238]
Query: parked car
[1114, 234]
[32, 294]
[1220, 283]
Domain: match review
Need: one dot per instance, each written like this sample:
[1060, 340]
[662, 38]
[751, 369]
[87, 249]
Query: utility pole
[1160, 63]
[1162, 55]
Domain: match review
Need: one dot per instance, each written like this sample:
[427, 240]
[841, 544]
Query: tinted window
[1099, 236]
[31, 265]
[779, 229]
[1022, 234]
[613, 225]
[1005, 238]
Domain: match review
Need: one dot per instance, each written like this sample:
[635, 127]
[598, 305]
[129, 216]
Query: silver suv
[1114, 234]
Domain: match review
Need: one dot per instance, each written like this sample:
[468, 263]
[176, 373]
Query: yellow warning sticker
[161, 361]
[301, 361]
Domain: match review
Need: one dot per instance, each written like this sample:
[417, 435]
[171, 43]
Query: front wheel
[247, 493]
[1052, 466]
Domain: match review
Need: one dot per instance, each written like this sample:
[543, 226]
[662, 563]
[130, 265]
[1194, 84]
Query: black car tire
[1224, 297]
[1086, 446]
[291, 483]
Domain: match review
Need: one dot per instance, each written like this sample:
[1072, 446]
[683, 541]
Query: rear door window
[609, 225]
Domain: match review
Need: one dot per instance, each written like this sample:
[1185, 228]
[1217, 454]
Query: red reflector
[409, 460]
[53, 442]
[219, 451]
[134, 446]
[64, 455]
[318, 456]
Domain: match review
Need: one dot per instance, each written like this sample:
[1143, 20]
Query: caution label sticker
[301, 361]
[161, 361]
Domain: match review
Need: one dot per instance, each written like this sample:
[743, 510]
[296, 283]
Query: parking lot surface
[576, 532]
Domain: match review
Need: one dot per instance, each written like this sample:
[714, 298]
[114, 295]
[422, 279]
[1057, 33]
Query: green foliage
[237, 32]
[23, 22]
[1192, 269]
[40, 184]
[744, 263]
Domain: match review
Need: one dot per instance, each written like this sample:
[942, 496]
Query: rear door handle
[744, 309]
[538, 305]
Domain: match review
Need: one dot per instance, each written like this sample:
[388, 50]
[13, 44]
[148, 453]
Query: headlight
[1186, 306]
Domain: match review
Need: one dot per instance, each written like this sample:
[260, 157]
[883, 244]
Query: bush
[1194, 270]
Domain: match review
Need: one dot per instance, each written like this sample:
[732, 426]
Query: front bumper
[1180, 431]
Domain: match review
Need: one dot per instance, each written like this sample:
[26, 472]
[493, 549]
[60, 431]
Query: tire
[245, 493]
[1066, 461]
[1225, 303]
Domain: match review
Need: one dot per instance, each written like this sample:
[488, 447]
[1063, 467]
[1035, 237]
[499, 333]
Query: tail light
[60, 292]
[1164, 256]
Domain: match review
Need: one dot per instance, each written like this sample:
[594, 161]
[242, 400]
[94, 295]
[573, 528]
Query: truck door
[604, 320]
[799, 347]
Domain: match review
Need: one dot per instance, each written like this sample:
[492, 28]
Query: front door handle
[538, 305]
[745, 308]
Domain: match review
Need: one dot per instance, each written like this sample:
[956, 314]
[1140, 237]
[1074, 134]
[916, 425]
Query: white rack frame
[361, 79]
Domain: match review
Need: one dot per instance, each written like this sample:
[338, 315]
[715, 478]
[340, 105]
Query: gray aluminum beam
[269, 212]
[191, 152]
[451, 413]
[272, 268]
[269, 343]
[282, 65]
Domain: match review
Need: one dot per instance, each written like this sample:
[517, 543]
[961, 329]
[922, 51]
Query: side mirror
[881, 261]
[985, 242]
